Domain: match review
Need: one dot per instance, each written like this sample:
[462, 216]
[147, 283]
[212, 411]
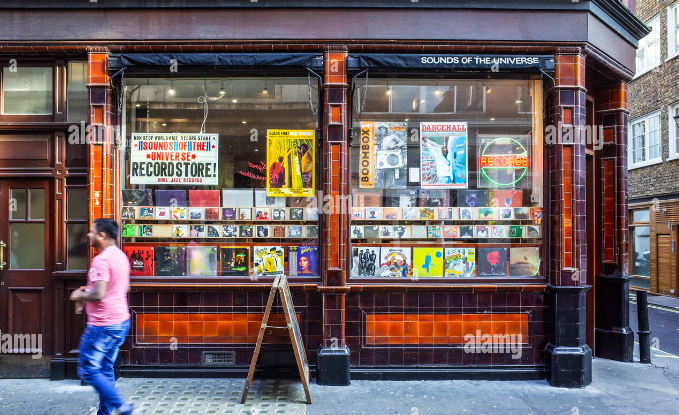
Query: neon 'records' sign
[503, 153]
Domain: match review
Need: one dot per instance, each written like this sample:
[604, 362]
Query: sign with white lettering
[177, 159]
[494, 63]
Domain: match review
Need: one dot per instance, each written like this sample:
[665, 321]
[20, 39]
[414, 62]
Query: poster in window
[235, 260]
[290, 166]
[365, 262]
[443, 155]
[303, 261]
[176, 159]
[269, 261]
[383, 160]
[141, 260]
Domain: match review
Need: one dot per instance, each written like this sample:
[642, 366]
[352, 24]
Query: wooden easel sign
[280, 286]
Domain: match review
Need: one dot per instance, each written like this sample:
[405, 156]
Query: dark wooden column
[333, 355]
[568, 358]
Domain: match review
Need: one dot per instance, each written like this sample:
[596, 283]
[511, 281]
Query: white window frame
[674, 150]
[644, 47]
[673, 30]
[631, 148]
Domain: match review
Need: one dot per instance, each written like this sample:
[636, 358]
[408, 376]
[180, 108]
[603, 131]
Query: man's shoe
[128, 409]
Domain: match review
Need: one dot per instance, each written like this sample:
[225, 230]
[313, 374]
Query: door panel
[667, 267]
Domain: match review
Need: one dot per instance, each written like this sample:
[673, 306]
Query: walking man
[108, 316]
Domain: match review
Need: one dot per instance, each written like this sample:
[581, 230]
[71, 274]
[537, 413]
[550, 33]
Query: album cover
[278, 214]
[536, 213]
[390, 213]
[396, 262]
[245, 231]
[524, 261]
[141, 260]
[180, 231]
[237, 198]
[212, 213]
[408, 198]
[312, 231]
[294, 231]
[202, 261]
[506, 198]
[418, 232]
[400, 231]
[472, 198]
[358, 213]
[301, 202]
[467, 213]
[427, 213]
[466, 231]
[279, 231]
[129, 213]
[445, 213]
[263, 231]
[296, 214]
[372, 232]
[262, 200]
[486, 213]
[162, 213]
[146, 231]
[492, 262]
[516, 231]
[498, 231]
[269, 261]
[357, 232]
[212, 231]
[196, 213]
[521, 213]
[245, 214]
[428, 262]
[366, 198]
[229, 214]
[261, 213]
[434, 198]
[303, 261]
[312, 214]
[506, 213]
[136, 197]
[172, 198]
[365, 262]
[386, 231]
[170, 261]
[443, 155]
[146, 213]
[235, 261]
[460, 262]
[482, 231]
[204, 198]
[230, 231]
[451, 231]
[388, 155]
[409, 213]
[433, 231]
[532, 231]
[129, 231]
[179, 213]
[372, 213]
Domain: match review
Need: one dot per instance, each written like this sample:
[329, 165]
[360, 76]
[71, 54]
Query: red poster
[204, 198]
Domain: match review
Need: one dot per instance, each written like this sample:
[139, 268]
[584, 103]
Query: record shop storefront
[426, 199]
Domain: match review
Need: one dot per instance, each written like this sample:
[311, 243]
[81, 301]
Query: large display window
[447, 180]
[219, 178]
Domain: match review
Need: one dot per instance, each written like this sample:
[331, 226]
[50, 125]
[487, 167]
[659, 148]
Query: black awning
[148, 61]
[471, 62]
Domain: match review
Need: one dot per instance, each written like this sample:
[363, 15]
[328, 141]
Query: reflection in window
[641, 256]
[27, 246]
[76, 98]
[26, 91]
[641, 215]
[76, 246]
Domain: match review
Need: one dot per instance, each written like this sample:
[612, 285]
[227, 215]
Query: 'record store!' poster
[443, 155]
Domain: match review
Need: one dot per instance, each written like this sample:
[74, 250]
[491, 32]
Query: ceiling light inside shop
[164, 124]
[171, 91]
[437, 91]
[244, 122]
[234, 100]
[138, 105]
[388, 92]
[488, 91]
[222, 91]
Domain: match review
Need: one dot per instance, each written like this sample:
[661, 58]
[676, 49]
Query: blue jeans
[98, 349]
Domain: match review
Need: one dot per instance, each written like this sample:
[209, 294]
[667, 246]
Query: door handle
[2, 255]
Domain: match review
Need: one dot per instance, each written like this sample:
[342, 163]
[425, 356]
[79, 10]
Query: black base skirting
[333, 367]
[261, 372]
[61, 369]
[397, 373]
[569, 367]
[613, 338]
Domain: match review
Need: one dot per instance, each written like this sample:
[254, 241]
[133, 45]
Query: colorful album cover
[472, 198]
[162, 213]
[498, 231]
[245, 214]
[385, 155]
[237, 198]
[460, 262]
[357, 213]
[146, 231]
[179, 213]
[146, 213]
[204, 198]
[434, 231]
[482, 231]
[427, 262]
[129, 231]
[245, 231]
[279, 231]
[312, 213]
[212, 213]
[171, 198]
[516, 231]
[201, 261]
[312, 231]
[386, 231]
[357, 232]
[396, 262]
[467, 213]
[532, 231]
[262, 200]
[486, 213]
[506, 213]
[230, 231]
[294, 231]
[418, 232]
[390, 213]
[135, 197]
[400, 231]
[180, 231]
[129, 213]
[506, 198]
[409, 213]
[443, 155]
[212, 231]
[170, 261]
[229, 214]
[262, 214]
[536, 213]
[445, 213]
[365, 262]
[372, 213]
[196, 213]
[303, 261]
[235, 261]
[521, 213]
[141, 260]
[524, 261]
[451, 231]
[278, 214]
[290, 166]
[269, 261]
[466, 231]
[434, 198]
[492, 262]
[296, 214]
[427, 213]
[372, 232]
[263, 231]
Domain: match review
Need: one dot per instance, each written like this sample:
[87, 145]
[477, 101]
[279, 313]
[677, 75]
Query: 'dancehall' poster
[443, 155]
[290, 162]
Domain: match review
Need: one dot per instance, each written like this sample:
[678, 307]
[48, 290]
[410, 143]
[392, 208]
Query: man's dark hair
[108, 226]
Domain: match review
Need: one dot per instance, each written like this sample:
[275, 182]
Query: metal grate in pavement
[672, 376]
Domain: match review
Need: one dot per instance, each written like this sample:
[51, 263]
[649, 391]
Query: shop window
[641, 251]
[648, 53]
[673, 30]
[220, 178]
[26, 90]
[77, 207]
[645, 148]
[451, 191]
[76, 97]
[673, 122]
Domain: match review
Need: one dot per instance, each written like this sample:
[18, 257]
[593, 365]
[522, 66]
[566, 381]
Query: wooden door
[667, 265]
[26, 303]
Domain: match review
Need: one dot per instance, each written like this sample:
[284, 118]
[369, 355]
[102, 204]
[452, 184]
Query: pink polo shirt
[110, 265]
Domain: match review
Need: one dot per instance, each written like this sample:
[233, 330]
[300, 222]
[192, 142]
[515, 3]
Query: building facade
[654, 153]
[419, 181]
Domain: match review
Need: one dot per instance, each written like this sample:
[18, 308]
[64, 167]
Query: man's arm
[94, 296]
